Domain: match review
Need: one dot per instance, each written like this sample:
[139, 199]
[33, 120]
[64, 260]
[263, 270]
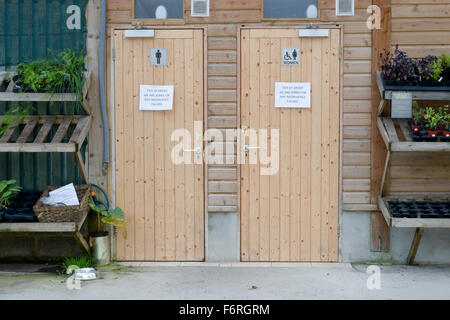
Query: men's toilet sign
[158, 57]
[290, 57]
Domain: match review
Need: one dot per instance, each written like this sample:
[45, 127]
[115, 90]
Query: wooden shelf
[416, 94]
[9, 95]
[73, 228]
[409, 222]
[38, 227]
[25, 128]
[396, 136]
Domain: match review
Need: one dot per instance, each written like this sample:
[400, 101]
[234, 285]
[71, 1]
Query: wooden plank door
[163, 202]
[291, 215]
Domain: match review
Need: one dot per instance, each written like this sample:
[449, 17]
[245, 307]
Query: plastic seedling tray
[420, 209]
[21, 208]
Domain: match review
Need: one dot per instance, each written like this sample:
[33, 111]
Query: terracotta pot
[446, 134]
[416, 128]
[433, 133]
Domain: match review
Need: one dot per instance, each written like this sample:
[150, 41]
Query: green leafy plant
[440, 65]
[84, 261]
[433, 118]
[8, 189]
[418, 113]
[446, 118]
[62, 73]
[13, 117]
[106, 216]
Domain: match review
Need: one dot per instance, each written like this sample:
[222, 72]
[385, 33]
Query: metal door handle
[248, 148]
[196, 150]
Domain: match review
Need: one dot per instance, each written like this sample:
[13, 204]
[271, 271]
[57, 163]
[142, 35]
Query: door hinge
[114, 55]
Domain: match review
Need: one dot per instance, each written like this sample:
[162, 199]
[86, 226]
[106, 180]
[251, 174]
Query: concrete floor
[237, 281]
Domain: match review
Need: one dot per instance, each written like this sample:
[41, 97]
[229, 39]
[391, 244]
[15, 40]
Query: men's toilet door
[292, 214]
[163, 201]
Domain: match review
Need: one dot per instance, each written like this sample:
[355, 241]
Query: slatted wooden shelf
[41, 143]
[45, 227]
[9, 95]
[396, 136]
[416, 94]
[412, 222]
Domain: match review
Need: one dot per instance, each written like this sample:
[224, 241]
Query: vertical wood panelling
[296, 224]
[163, 202]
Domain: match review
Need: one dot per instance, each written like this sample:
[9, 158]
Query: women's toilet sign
[156, 97]
[290, 57]
[292, 94]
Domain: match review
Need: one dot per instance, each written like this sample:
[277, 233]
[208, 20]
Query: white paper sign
[292, 94]
[156, 97]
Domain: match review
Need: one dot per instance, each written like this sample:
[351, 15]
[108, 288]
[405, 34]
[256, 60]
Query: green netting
[30, 30]
[33, 29]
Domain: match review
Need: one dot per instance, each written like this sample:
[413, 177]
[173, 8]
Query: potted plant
[8, 189]
[446, 126]
[64, 73]
[433, 118]
[417, 123]
[441, 68]
[401, 72]
[99, 240]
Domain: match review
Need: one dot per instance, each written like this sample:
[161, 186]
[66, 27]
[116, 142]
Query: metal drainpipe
[101, 73]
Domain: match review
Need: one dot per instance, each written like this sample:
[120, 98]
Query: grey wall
[223, 237]
[355, 243]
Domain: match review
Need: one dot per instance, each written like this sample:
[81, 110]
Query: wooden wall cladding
[419, 26]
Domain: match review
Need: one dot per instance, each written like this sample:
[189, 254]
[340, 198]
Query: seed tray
[21, 208]
[420, 209]
[422, 135]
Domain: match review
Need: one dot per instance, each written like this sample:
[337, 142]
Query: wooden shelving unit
[18, 139]
[398, 141]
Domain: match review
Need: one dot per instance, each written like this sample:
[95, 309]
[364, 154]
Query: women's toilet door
[163, 201]
[291, 214]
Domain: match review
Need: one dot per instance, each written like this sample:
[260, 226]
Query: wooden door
[163, 202]
[291, 215]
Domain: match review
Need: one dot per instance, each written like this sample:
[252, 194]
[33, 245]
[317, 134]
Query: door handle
[248, 148]
[195, 150]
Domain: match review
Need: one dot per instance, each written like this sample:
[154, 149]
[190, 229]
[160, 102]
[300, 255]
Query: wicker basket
[63, 213]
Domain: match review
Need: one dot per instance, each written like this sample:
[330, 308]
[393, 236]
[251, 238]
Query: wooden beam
[38, 227]
[81, 241]
[38, 147]
[82, 167]
[56, 97]
[415, 245]
[381, 39]
[94, 150]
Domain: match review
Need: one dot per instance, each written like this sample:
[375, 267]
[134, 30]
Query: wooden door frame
[341, 110]
[111, 120]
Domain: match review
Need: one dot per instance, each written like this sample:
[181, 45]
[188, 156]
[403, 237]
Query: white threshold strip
[236, 264]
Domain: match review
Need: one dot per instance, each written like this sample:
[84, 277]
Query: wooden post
[415, 245]
[94, 160]
[381, 39]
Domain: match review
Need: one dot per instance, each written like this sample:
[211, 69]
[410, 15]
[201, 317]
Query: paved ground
[240, 281]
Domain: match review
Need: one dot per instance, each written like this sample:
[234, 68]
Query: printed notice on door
[156, 97]
[292, 95]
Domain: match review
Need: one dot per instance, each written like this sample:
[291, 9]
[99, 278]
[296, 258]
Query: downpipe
[101, 73]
